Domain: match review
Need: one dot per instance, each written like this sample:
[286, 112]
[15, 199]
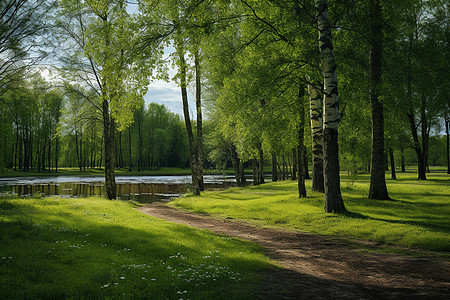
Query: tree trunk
[274, 167]
[140, 143]
[294, 163]
[100, 161]
[261, 165]
[377, 188]
[43, 153]
[77, 149]
[21, 153]
[56, 153]
[424, 129]
[26, 147]
[242, 173]
[108, 133]
[333, 198]
[81, 153]
[198, 104]
[120, 150]
[403, 161]
[130, 166]
[412, 123]
[416, 147]
[386, 160]
[391, 158]
[16, 147]
[255, 171]
[305, 162]
[236, 164]
[448, 143]
[187, 119]
[301, 146]
[49, 154]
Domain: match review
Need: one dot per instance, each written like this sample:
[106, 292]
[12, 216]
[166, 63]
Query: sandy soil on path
[318, 267]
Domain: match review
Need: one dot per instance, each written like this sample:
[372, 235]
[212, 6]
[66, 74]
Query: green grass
[95, 248]
[418, 216]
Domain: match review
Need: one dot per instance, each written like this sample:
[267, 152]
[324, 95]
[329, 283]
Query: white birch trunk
[315, 111]
[333, 198]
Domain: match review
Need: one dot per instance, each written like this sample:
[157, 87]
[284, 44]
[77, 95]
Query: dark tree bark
[140, 143]
[333, 198]
[49, 155]
[412, 124]
[416, 146]
[255, 172]
[198, 104]
[261, 165]
[448, 143]
[187, 119]
[108, 133]
[377, 189]
[16, 147]
[77, 149]
[274, 167]
[403, 161]
[21, 153]
[81, 153]
[294, 163]
[130, 166]
[242, 173]
[391, 158]
[301, 144]
[100, 161]
[120, 150]
[56, 153]
[235, 161]
[425, 131]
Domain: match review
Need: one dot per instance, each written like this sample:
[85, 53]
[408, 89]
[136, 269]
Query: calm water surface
[144, 189]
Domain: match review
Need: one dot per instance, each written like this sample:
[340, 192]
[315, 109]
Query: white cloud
[169, 94]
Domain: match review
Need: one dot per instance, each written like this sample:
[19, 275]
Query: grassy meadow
[417, 217]
[96, 248]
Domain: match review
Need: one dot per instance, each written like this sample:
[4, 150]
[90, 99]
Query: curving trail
[318, 267]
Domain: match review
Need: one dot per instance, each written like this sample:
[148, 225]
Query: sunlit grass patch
[96, 248]
[418, 215]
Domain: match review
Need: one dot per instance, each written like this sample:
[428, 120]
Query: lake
[145, 189]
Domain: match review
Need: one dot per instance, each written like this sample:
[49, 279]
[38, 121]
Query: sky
[169, 93]
[159, 91]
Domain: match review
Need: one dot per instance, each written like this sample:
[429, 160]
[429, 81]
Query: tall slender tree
[107, 55]
[333, 198]
[377, 189]
[316, 114]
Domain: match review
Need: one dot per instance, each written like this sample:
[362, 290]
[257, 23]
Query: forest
[302, 152]
[265, 76]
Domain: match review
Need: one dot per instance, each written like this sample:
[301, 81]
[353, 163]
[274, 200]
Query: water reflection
[144, 189]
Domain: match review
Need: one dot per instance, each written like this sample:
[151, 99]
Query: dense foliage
[251, 62]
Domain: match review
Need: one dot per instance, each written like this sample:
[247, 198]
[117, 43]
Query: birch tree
[333, 198]
[316, 115]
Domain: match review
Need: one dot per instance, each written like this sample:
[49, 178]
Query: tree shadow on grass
[435, 226]
[288, 284]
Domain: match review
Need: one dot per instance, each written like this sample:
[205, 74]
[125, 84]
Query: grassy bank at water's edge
[417, 217]
[96, 248]
[165, 171]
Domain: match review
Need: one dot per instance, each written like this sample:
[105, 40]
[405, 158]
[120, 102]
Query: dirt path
[320, 267]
